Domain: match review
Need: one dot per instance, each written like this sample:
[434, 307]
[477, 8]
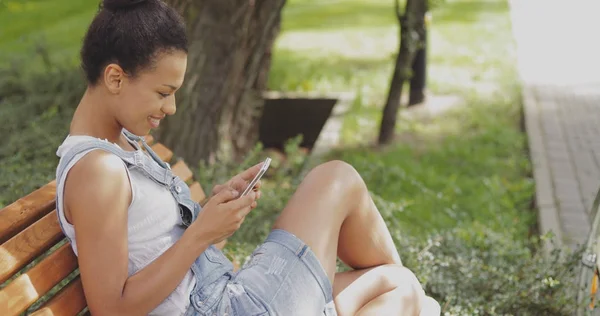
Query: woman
[145, 248]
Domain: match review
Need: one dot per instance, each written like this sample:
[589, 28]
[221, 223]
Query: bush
[35, 111]
[477, 271]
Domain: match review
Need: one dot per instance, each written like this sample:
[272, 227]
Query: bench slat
[196, 192]
[27, 288]
[149, 139]
[28, 244]
[181, 170]
[26, 210]
[163, 152]
[68, 302]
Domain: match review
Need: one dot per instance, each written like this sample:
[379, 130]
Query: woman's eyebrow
[170, 86]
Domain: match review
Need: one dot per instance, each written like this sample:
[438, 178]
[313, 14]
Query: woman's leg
[333, 213]
[377, 291]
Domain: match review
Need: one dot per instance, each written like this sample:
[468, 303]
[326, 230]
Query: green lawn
[467, 165]
[55, 26]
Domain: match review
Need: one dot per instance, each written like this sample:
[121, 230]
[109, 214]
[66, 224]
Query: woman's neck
[93, 118]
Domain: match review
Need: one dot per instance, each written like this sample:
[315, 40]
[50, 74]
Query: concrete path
[558, 48]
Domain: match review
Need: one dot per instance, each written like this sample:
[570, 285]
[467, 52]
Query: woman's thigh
[317, 209]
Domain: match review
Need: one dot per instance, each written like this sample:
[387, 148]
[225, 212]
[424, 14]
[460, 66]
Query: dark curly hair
[131, 33]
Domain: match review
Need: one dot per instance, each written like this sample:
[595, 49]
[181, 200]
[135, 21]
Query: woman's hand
[222, 215]
[240, 181]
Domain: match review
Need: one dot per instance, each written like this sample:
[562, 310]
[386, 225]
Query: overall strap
[135, 159]
[133, 139]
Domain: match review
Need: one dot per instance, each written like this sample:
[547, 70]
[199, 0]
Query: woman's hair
[131, 33]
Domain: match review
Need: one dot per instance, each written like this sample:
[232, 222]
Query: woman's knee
[404, 282]
[338, 173]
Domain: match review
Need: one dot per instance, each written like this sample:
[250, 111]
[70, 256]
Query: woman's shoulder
[96, 183]
[93, 175]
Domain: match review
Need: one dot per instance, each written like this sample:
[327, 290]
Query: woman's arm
[97, 194]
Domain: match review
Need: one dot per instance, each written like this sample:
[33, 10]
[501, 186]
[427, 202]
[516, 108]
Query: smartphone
[259, 175]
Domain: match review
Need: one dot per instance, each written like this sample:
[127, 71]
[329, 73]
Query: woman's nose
[170, 107]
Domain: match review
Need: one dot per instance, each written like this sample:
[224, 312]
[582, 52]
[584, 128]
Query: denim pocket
[188, 209]
[245, 303]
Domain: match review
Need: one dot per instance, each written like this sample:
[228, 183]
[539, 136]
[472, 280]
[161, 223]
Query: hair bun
[114, 5]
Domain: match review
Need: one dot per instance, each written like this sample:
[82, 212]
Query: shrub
[35, 111]
[477, 271]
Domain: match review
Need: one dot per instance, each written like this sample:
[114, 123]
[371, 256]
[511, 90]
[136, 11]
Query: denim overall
[211, 269]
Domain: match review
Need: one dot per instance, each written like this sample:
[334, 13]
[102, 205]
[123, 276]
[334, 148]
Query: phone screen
[259, 175]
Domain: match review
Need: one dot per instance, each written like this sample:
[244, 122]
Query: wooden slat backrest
[30, 286]
[69, 301]
[29, 244]
[28, 228]
[196, 192]
[26, 210]
[163, 152]
[182, 171]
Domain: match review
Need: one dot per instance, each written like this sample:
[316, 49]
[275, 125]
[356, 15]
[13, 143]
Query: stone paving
[559, 63]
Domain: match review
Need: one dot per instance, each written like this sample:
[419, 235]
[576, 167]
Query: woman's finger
[251, 172]
[239, 184]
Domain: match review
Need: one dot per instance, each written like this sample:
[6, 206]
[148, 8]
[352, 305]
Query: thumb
[225, 195]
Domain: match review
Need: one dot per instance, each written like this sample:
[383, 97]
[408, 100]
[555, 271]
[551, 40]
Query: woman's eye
[164, 95]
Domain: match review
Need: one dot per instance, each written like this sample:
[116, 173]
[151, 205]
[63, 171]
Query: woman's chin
[140, 131]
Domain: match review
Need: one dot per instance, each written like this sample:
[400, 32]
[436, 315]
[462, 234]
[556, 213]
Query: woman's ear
[113, 78]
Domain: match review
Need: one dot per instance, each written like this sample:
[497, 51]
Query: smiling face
[141, 102]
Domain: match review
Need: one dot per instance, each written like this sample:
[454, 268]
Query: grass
[467, 165]
[57, 25]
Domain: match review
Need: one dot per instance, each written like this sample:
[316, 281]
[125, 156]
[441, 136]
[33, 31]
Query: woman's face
[142, 102]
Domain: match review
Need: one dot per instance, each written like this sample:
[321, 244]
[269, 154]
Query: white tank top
[153, 225]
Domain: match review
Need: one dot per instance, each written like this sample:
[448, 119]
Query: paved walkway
[559, 63]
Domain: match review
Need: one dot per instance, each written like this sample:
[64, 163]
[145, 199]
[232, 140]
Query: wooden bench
[35, 256]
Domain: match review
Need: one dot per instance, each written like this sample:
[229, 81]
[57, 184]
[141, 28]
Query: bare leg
[333, 213]
[377, 291]
[395, 303]
[389, 304]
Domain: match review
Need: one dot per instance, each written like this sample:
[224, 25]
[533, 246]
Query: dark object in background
[285, 118]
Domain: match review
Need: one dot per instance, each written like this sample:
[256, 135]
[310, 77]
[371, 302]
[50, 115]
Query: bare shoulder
[98, 180]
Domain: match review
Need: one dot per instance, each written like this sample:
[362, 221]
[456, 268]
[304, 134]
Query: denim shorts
[282, 277]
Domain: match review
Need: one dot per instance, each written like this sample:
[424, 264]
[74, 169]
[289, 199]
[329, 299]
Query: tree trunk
[220, 102]
[410, 35]
[418, 80]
